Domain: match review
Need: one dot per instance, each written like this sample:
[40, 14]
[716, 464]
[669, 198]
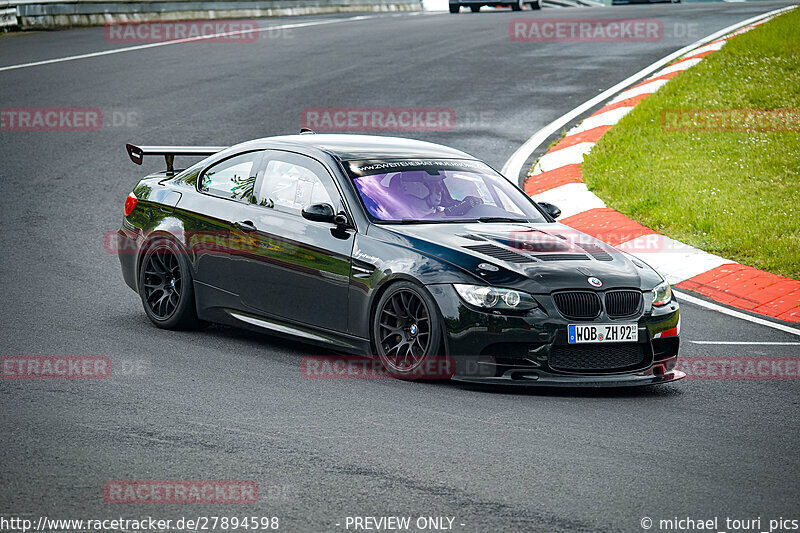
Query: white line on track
[716, 307]
[747, 343]
[189, 40]
[512, 168]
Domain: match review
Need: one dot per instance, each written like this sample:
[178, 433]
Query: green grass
[554, 142]
[735, 194]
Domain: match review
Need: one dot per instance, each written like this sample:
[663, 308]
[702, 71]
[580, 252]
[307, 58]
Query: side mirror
[319, 212]
[550, 209]
[324, 213]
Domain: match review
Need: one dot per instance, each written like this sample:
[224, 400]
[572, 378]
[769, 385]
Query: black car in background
[401, 249]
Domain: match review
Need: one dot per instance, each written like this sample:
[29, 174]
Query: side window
[291, 182]
[233, 178]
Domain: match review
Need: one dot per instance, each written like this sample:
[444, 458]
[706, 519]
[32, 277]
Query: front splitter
[533, 379]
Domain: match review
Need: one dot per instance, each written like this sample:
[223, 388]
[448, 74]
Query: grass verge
[731, 193]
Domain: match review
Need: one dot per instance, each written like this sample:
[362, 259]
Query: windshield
[439, 191]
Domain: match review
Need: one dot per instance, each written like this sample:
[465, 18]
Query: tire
[475, 9]
[166, 288]
[518, 6]
[407, 331]
[536, 5]
[455, 8]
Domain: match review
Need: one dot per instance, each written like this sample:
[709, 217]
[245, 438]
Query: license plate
[581, 333]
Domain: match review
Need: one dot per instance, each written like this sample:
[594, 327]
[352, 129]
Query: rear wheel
[536, 5]
[518, 6]
[475, 9]
[455, 8]
[406, 330]
[165, 286]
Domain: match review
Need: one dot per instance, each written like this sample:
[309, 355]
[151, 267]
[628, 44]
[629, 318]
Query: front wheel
[536, 5]
[455, 8]
[518, 6]
[407, 331]
[475, 9]
[165, 286]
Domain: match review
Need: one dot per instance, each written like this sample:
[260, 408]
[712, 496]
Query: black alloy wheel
[406, 329]
[162, 283]
[165, 286]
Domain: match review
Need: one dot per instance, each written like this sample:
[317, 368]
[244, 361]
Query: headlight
[494, 298]
[662, 294]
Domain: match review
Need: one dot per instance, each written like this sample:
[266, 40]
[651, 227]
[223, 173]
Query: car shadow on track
[648, 391]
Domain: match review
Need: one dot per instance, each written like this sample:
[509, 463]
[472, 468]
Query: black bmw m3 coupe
[394, 248]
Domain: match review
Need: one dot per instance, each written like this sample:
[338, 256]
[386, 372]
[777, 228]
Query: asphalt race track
[232, 405]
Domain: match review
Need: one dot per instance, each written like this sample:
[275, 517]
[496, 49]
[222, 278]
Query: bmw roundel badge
[594, 282]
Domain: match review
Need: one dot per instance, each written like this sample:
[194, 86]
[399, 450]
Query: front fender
[376, 264]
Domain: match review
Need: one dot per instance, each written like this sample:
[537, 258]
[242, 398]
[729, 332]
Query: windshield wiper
[450, 220]
[501, 219]
[405, 221]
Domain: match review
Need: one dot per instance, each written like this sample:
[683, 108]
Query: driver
[419, 192]
[423, 194]
[432, 203]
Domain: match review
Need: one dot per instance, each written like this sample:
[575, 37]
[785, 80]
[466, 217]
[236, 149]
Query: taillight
[130, 203]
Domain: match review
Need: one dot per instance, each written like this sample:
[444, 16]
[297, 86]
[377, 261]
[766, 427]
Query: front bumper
[531, 348]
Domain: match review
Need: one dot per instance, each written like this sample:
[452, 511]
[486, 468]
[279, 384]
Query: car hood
[544, 257]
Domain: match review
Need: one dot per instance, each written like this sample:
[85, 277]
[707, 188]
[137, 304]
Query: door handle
[245, 225]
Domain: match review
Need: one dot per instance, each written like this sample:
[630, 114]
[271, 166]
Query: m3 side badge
[594, 282]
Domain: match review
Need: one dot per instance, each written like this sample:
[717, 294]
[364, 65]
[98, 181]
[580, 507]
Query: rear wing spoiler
[137, 153]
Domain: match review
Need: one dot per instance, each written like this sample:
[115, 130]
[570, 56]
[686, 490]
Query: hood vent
[561, 257]
[499, 253]
[597, 252]
[541, 246]
[471, 237]
[534, 241]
